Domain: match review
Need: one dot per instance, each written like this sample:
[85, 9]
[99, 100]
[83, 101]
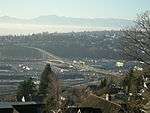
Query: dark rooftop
[5, 105]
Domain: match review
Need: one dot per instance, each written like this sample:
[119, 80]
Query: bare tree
[136, 40]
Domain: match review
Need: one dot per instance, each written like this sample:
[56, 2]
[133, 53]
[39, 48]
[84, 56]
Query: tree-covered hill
[98, 44]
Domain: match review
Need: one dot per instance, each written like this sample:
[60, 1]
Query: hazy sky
[74, 8]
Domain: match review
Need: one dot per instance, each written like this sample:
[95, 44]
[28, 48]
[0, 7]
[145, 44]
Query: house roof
[25, 103]
[11, 104]
[5, 105]
[98, 102]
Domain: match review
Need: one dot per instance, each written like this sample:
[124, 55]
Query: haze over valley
[53, 23]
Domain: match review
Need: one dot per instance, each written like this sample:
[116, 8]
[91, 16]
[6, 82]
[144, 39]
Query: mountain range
[61, 20]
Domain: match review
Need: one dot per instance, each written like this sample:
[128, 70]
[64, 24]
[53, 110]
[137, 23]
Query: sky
[124, 9]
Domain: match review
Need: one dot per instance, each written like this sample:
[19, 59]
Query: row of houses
[92, 104]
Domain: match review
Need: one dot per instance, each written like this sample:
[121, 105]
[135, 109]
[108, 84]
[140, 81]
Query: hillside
[19, 52]
[100, 44]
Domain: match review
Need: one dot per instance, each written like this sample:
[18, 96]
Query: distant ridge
[59, 20]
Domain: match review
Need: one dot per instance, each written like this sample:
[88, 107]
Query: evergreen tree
[103, 83]
[26, 89]
[128, 82]
[47, 80]
[49, 89]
